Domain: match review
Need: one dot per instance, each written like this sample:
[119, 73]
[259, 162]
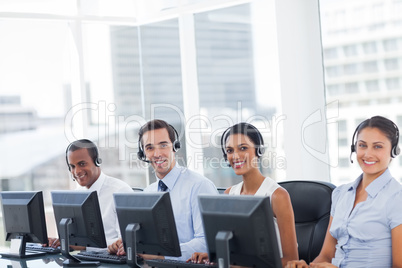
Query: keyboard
[102, 256]
[40, 248]
[176, 263]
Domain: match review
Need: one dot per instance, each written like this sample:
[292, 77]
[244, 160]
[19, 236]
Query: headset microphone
[350, 157]
[72, 176]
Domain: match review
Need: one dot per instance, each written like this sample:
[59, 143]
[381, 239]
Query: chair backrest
[137, 189]
[221, 190]
[311, 201]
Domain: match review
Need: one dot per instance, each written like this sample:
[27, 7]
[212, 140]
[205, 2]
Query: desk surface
[49, 260]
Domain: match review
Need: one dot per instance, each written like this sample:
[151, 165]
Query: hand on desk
[117, 248]
[303, 264]
[55, 242]
[199, 257]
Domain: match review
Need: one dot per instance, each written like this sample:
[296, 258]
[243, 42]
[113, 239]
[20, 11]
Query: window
[350, 69]
[370, 66]
[393, 83]
[391, 64]
[350, 50]
[226, 69]
[342, 125]
[334, 89]
[333, 71]
[344, 162]
[390, 44]
[343, 142]
[358, 121]
[331, 53]
[370, 47]
[59, 7]
[372, 86]
[352, 88]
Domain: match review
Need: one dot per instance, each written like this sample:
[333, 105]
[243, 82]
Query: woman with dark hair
[242, 147]
[365, 227]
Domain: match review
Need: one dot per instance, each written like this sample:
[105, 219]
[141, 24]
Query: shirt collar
[379, 183]
[170, 179]
[376, 185]
[96, 186]
[353, 185]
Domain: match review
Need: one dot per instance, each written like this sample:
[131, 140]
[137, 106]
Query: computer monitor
[240, 230]
[79, 223]
[147, 224]
[24, 221]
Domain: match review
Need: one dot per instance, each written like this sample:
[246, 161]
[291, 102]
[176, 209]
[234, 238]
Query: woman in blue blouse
[365, 228]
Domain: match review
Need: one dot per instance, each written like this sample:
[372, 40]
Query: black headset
[259, 150]
[90, 146]
[141, 154]
[395, 148]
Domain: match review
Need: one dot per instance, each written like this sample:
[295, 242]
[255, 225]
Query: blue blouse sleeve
[335, 197]
[394, 210]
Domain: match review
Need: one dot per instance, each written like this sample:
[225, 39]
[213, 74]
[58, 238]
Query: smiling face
[241, 154]
[373, 152]
[82, 167]
[158, 150]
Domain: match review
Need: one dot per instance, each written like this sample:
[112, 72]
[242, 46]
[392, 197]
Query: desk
[48, 261]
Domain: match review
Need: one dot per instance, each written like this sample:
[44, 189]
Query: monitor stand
[71, 261]
[17, 249]
[131, 246]
[222, 248]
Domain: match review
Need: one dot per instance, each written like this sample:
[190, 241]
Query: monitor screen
[79, 221]
[240, 230]
[153, 228]
[24, 220]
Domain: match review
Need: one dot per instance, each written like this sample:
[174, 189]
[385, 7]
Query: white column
[302, 87]
[190, 93]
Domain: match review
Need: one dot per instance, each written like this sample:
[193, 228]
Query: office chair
[221, 190]
[137, 189]
[311, 201]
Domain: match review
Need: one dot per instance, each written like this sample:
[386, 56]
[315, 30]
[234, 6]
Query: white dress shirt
[105, 186]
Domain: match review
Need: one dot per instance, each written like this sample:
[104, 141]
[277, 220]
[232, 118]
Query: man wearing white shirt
[83, 162]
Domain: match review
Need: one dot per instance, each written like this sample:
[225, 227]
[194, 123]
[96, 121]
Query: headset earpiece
[223, 139]
[395, 149]
[98, 162]
[176, 142]
[68, 148]
[260, 151]
[353, 147]
[176, 145]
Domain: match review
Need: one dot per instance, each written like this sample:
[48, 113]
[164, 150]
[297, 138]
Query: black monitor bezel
[223, 214]
[65, 206]
[31, 209]
[145, 210]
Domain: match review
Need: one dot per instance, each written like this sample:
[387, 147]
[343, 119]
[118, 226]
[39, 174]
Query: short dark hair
[87, 144]
[157, 124]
